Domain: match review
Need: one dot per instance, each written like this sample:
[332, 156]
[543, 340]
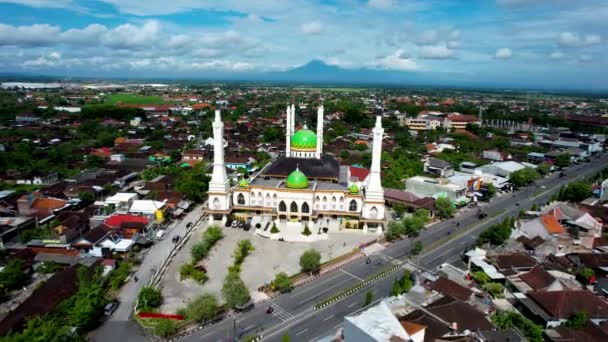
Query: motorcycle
[269, 310]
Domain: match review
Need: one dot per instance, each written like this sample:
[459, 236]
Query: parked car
[110, 308]
[245, 307]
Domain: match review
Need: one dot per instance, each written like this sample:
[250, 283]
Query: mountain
[317, 71]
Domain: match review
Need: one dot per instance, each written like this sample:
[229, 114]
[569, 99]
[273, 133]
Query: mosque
[302, 187]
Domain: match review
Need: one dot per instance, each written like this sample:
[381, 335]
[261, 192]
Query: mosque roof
[304, 139]
[325, 168]
[297, 180]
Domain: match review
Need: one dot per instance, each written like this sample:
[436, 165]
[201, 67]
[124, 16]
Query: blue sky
[551, 43]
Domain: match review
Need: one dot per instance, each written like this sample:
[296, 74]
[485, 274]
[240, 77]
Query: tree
[194, 183]
[43, 328]
[444, 207]
[202, 308]
[310, 261]
[396, 289]
[543, 168]
[399, 209]
[406, 282]
[189, 270]
[281, 282]
[86, 197]
[286, 338]
[394, 230]
[523, 177]
[149, 298]
[418, 247]
[369, 298]
[85, 308]
[165, 327]
[13, 277]
[563, 160]
[234, 290]
[94, 160]
[272, 133]
[490, 190]
[575, 192]
[577, 320]
[510, 319]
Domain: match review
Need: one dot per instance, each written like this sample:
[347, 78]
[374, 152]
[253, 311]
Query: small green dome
[353, 189]
[243, 183]
[297, 180]
[304, 139]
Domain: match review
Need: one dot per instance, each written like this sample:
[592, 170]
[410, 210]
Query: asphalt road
[293, 313]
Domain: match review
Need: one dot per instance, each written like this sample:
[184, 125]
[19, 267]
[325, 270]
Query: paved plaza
[269, 258]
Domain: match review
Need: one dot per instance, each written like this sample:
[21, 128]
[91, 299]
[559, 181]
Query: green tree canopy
[194, 183]
[149, 298]
[234, 290]
[310, 261]
[282, 282]
[444, 207]
[523, 177]
[202, 308]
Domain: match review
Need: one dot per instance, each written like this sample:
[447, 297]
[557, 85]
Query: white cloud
[313, 27]
[33, 35]
[503, 53]
[397, 61]
[440, 51]
[380, 4]
[570, 39]
[55, 55]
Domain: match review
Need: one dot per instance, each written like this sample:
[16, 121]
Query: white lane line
[301, 332]
[337, 326]
[328, 318]
[352, 275]
[207, 334]
[351, 305]
[249, 327]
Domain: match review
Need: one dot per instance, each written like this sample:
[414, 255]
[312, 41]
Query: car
[109, 309]
[481, 216]
[235, 224]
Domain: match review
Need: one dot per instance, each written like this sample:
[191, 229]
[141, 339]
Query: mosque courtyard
[269, 258]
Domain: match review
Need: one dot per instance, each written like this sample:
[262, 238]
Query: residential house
[37, 178]
[502, 169]
[459, 121]
[495, 155]
[432, 187]
[43, 208]
[438, 167]
[377, 323]
[553, 308]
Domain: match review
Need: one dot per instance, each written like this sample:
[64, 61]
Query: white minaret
[373, 203]
[293, 118]
[319, 132]
[219, 187]
[288, 133]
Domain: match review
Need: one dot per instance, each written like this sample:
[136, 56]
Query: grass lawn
[127, 98]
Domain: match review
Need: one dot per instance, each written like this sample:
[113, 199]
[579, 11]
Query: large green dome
[304, 139]
[297, 180]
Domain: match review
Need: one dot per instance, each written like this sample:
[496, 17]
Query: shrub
[189, 270]
[119, 274]
[234, 290]
[480, 277]
[243, 249]
[510, 319]
[418, 247]
[200, 250]
[49, 267]
[202, 308]
[149, 298]
[274, 229]
[12, 276]
[281, 282]
[306, 231]
[165, 327]
[495, 289]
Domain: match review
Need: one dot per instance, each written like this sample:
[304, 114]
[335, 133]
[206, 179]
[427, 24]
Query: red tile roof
[562, 304]
[462, 118]
[448, 287]
[552, 225]
[118, 220]
[537, 278]
[48, 203]
[359, 172]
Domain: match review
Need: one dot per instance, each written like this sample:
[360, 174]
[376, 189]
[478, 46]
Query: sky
[551, 43]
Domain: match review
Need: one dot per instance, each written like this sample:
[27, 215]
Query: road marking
[207, 334]
[301, 332]
[351, 305]
[337, 326]
[352, 275]
[249, 327]
[281, 314]
[328, 318]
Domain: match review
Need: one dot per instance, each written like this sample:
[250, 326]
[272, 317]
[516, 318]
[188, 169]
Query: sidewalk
[109, 331]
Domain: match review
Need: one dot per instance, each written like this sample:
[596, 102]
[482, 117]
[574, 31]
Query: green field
[127, 98]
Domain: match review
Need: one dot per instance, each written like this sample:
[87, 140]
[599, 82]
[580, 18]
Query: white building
[303, 186]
